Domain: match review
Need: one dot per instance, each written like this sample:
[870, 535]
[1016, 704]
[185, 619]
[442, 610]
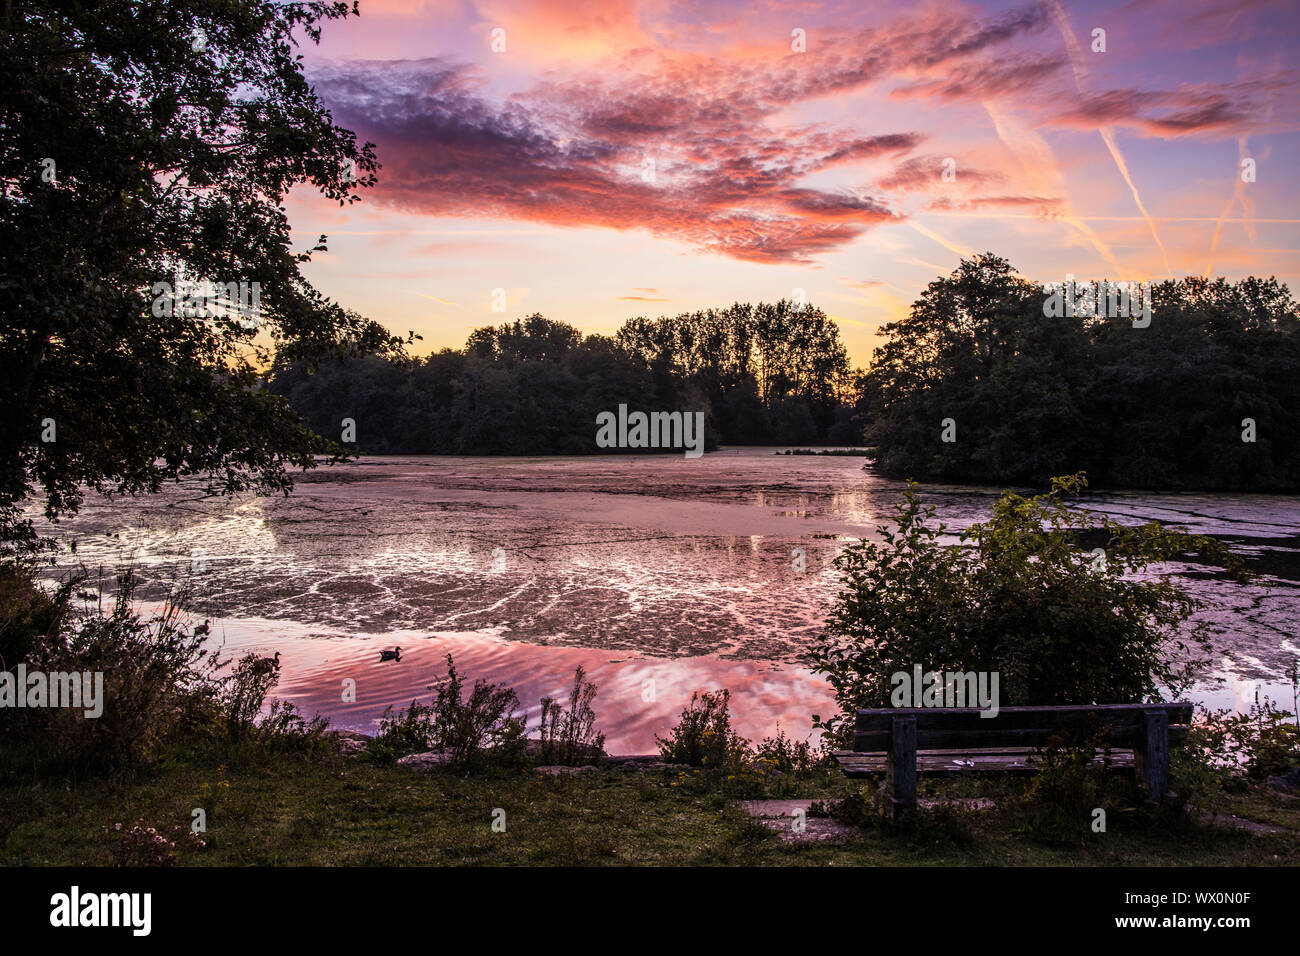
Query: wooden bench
[902, 741]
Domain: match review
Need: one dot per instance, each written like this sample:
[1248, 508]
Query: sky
[595, 161]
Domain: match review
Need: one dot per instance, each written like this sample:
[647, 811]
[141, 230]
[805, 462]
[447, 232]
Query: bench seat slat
[942, 762]
[1123, 717]
[994, 736]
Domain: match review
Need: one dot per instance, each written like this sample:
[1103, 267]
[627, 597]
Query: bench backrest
[962, 728]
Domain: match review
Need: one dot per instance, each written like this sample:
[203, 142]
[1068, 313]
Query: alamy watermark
[60, 689]
[75, 908]
[652, 430]
[1096, 300]
[951, 689]
[205, 300]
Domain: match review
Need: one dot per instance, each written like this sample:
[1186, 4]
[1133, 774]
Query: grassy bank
[350, 811]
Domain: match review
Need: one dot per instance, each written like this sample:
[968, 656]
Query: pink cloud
[626, 134]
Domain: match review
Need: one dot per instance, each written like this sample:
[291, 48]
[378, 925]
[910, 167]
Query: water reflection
[640, 567]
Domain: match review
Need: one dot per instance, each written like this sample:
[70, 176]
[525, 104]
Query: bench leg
[1151, 754]
[901, 772]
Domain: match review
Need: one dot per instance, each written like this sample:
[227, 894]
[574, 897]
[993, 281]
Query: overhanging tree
[140, 143]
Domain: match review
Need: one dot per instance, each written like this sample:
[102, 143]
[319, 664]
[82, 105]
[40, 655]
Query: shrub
[473, 731]
[285, 730]
[1015, 595]
[157, 681]
[1249, 746]
[569, 736]
[406, 731]
[479, 728]
[161, 685]
[28, 615]
[786, 755]
[244, 692]
[703, 736]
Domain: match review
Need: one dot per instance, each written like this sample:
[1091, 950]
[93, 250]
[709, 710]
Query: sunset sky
[530, 170]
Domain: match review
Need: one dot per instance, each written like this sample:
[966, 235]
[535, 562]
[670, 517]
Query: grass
[336, 811]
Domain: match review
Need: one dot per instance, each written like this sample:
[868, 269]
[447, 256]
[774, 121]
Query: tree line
[762, 374]
[978, 384]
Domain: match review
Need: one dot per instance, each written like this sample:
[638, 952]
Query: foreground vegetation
[1019, 596]
[341, 811]
[246, 788]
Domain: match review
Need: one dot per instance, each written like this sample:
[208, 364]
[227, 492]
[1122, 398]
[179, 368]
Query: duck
[394, 655]
[268, 665]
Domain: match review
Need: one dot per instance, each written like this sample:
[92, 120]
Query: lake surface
[661, 575]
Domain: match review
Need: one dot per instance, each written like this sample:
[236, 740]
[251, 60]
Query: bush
[157, 681]
[28, 615]
[406, 731]
[244, 731]
[1014, 595]
[786, 755]
[703, 737]
[569, 737]
[162, 686]
[244, 692]
[285, 730]
[472, 732]
[1249, 747]
[481, 726]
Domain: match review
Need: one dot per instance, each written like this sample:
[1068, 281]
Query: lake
[660, 574]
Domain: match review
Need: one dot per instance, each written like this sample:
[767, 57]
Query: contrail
[1218, 228]
[1017, 140]
[931, 234]
[1236, 195]
[1239, 194]
[1080, 74]
[1109, 137]
[1248, 221]
[436, 299]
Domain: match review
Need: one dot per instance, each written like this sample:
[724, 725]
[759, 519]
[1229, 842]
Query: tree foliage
[147, 143]
[1032, 396]
[761, 374]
